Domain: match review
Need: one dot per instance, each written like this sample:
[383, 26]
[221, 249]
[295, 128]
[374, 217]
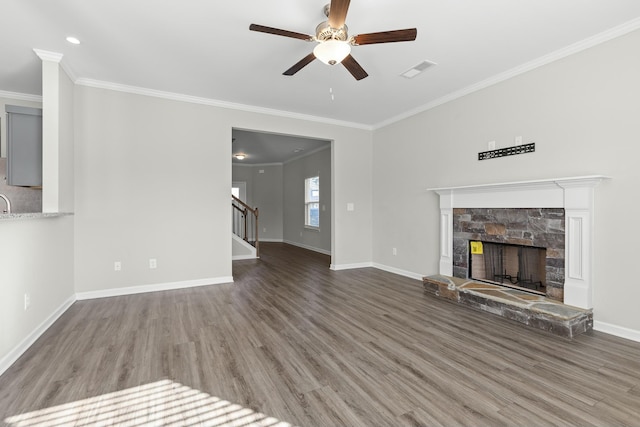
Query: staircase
[245, 229]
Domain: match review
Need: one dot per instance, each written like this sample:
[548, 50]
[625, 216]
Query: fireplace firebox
[516, 266]
[538, 234]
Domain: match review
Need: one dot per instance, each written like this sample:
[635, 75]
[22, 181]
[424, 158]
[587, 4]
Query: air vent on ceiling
[417, 69]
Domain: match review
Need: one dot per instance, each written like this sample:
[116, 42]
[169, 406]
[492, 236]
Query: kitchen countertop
[33, 215]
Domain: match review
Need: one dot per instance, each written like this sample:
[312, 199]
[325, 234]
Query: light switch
[350, 207]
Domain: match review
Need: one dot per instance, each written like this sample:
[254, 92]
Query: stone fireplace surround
[531, 227]
[573, 194]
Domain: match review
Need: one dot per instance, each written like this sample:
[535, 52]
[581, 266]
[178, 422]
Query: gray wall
[295, 173]
[581, 111]
[153, 178]
[151, 182]
[264, 191]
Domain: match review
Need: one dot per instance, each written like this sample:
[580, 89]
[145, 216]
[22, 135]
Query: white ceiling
[204, 48]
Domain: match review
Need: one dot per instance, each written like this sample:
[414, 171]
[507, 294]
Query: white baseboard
[241, 257]
[338, 267]
[152, 288]
[311, 248]
[28, 341]
[618, 331]
[398, 271]
[271, 240]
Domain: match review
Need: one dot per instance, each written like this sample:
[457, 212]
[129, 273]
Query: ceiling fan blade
[407, 35]
[279, 32]
[354, 68]
[338, 13]
[300, 65]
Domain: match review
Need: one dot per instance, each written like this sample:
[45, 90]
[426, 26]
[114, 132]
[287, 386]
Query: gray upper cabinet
[24, 146]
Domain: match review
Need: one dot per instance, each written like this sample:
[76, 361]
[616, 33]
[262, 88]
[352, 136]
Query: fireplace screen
[511, 265]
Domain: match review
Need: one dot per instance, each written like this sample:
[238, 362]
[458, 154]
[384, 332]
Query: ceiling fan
[334, 42]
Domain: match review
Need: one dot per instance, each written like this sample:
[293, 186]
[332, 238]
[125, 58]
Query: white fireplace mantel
[574, 194]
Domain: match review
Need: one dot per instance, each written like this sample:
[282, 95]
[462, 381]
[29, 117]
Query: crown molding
[70, 73]
[293, 159]
[310, 153]
[255, 165]
[21, 96]
[46, 55]
[600, 38]
[215, 103]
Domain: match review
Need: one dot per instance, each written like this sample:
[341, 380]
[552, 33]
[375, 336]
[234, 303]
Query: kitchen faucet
[6, 199]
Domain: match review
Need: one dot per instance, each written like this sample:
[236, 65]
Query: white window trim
[306, 203]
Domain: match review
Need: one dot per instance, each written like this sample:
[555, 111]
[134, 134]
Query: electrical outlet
[153, 263]
[491, 145]
[27, 301]
[394, 251]
[518, 140]
[117, 266]
[264, 229]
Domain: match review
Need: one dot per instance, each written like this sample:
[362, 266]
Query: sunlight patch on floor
[162, 403]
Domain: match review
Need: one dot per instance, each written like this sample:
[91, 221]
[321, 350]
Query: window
[312, 202]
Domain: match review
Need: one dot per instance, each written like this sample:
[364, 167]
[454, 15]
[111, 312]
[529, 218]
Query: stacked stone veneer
[539, 227]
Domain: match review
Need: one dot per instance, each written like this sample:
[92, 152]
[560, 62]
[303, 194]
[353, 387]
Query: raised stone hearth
[532, 310]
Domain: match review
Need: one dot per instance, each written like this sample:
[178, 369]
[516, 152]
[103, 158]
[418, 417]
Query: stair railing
[245, 222]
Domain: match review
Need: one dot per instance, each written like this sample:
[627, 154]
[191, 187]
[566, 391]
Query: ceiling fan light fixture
[332, 51]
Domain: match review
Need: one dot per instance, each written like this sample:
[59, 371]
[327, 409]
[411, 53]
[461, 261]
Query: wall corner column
[50, 129]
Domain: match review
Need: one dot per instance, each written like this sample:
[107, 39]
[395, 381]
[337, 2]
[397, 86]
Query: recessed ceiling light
[73, 40]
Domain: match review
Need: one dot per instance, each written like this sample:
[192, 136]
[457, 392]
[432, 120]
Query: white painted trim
[618, 331]
[311, 248]
[310, 153]
[271, 240]
[582, 181]
[215, 103]
[590, 42]
[338, 267]
[21, 96]
[252, 250]
[132, 290]
[13, 355]
[47, 55]
[236, 163]
[574, 194]
[399, 272]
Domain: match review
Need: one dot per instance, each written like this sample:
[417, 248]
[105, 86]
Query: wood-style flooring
[294, 343]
